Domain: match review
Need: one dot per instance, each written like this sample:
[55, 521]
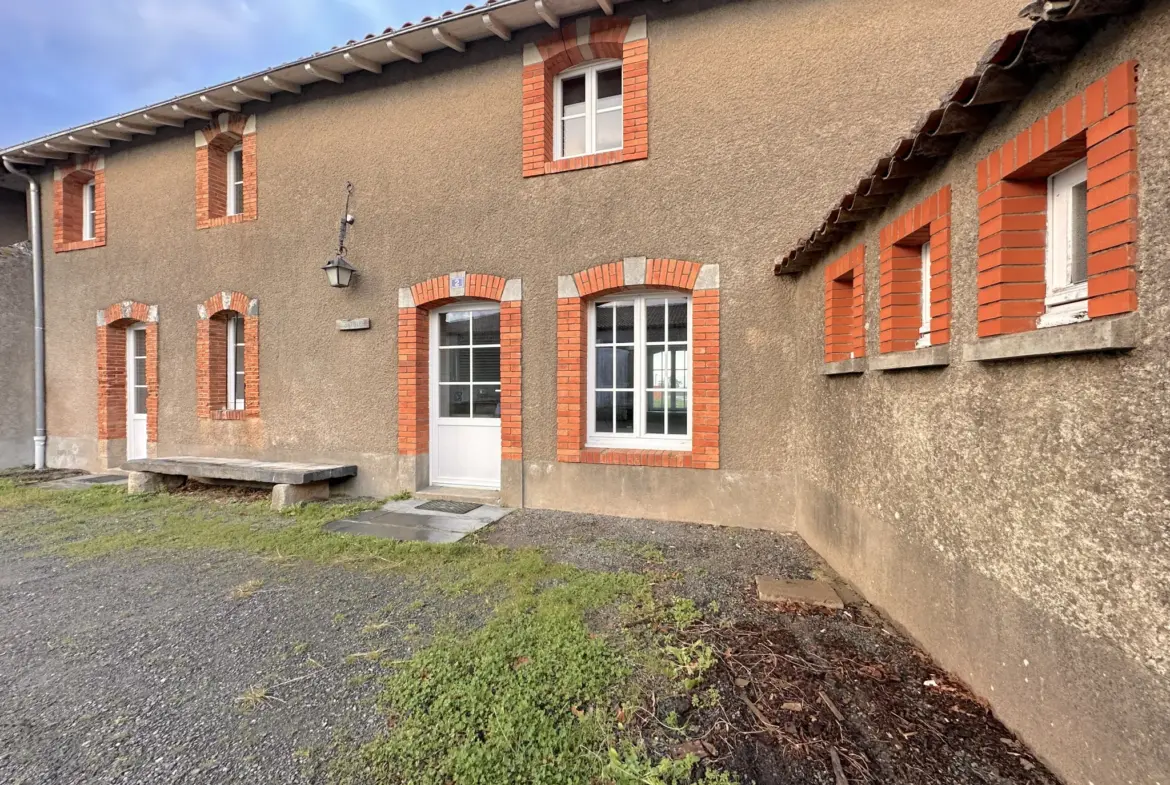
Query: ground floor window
[640, 372]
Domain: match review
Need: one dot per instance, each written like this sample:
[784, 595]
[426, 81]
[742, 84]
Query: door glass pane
[238, 204]
[677, 420]
[455, 328]
[604, 324]
[573, 137]
[604, 412]
[624, 323]
[239, 388]
[486, 400]
[140, 400]
[604, 367]
[455, 400]
[455, 365]
[609, 88]
[656, 412]
[140, 370]
[609, 130]
[1079, 244]
[678, 320]
[623, 367]
[485, 364]
[655, 321]
[624, 412]
[485, 327]
[573, 97]
[140, 343]
[239, 349]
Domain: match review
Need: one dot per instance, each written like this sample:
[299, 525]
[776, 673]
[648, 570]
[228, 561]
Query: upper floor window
[235, 180]
[924, 298]
[1067, 254]
[88, 210]
[640, 372]
[235, 363]
[589, 109]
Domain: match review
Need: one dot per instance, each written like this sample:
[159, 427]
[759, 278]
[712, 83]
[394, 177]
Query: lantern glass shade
[339, 271]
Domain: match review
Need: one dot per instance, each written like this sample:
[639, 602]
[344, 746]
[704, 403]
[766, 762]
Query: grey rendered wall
[1015, 517]
[761, 113]
[16, 356]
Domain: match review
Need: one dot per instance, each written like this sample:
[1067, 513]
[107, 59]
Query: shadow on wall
[16, 356]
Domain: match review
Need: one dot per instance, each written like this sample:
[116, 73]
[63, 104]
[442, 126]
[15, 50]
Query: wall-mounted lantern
[338, 269]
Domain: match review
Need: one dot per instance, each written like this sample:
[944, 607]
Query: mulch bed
[840, 698]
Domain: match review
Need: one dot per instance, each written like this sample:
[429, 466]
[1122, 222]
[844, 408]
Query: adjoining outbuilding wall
[760, 114]
[1015, 516]
[13, 217]
[16, 356]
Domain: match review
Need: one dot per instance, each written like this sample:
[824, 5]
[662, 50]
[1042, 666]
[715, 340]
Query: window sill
[928, 357]
[678, 459]
[224, 220]
[231, 414]
[849, 367]
[1099, 335]
[542, 167]
[78, 245]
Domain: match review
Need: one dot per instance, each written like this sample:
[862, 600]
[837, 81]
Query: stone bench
[292, 483]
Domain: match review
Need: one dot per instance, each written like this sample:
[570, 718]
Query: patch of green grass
[532, 696]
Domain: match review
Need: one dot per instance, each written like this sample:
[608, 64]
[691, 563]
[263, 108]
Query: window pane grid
[640, 369]
[236, 377]
[469, 364]
[589, 111]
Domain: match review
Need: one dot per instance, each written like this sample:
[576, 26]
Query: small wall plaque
[353, 324]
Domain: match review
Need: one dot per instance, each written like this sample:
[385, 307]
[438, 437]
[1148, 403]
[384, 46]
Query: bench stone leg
[285, 496]
[149, 482]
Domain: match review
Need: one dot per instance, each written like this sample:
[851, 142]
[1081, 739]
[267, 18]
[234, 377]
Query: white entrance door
[465, 395]
[135, 392]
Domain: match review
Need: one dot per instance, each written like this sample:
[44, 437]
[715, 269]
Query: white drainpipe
[40, 437]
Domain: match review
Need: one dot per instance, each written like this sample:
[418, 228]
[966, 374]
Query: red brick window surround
[1100, 126]
[216, 171]
[414, 306]
[845, 307]
[584, 41]
[212, 361]
[79, 205]
[112, 323]
[576, 294]
[915, 276]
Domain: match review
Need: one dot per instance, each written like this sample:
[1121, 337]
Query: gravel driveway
[130, 671]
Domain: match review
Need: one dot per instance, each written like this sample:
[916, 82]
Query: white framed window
[469, 364]
[235, 180]
[1067, 256]
[639, 372]
[88, 210]
[924, 299]
[236, 393]
[588, 109]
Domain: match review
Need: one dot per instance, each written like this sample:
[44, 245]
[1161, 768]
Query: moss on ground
[532, 696]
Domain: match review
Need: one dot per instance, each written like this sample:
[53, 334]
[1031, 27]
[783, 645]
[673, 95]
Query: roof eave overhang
[1006, 73]
[412, 42]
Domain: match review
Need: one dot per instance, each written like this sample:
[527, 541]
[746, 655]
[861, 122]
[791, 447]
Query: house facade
[16, 351]
[566, 224]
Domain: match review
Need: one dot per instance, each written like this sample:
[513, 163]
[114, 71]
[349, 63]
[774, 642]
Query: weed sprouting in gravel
[246, 589]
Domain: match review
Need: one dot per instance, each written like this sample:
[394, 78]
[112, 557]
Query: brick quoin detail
[211, 357]
[1100, 125]
[576, 43]
[414, 360]
[845, 306]
[901, 274]
[212, 147]
[573, 363]
[68, 204]
[111, 369]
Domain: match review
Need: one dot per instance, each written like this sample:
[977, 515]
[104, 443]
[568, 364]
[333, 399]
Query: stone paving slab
[243, 470]
[81, 482]
[405, 521]
[800, 592]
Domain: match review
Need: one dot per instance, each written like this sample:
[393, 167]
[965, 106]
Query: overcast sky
[68, 62]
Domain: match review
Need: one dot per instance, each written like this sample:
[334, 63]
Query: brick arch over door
[574, 293]
[111, 367]
[414, 306]
[211, 356]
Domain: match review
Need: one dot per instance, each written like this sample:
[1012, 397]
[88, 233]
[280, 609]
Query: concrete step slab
[798, 592]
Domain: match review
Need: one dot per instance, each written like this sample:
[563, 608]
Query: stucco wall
[13, 217]
[761, 114]
[16, 356]
[1015, 517]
